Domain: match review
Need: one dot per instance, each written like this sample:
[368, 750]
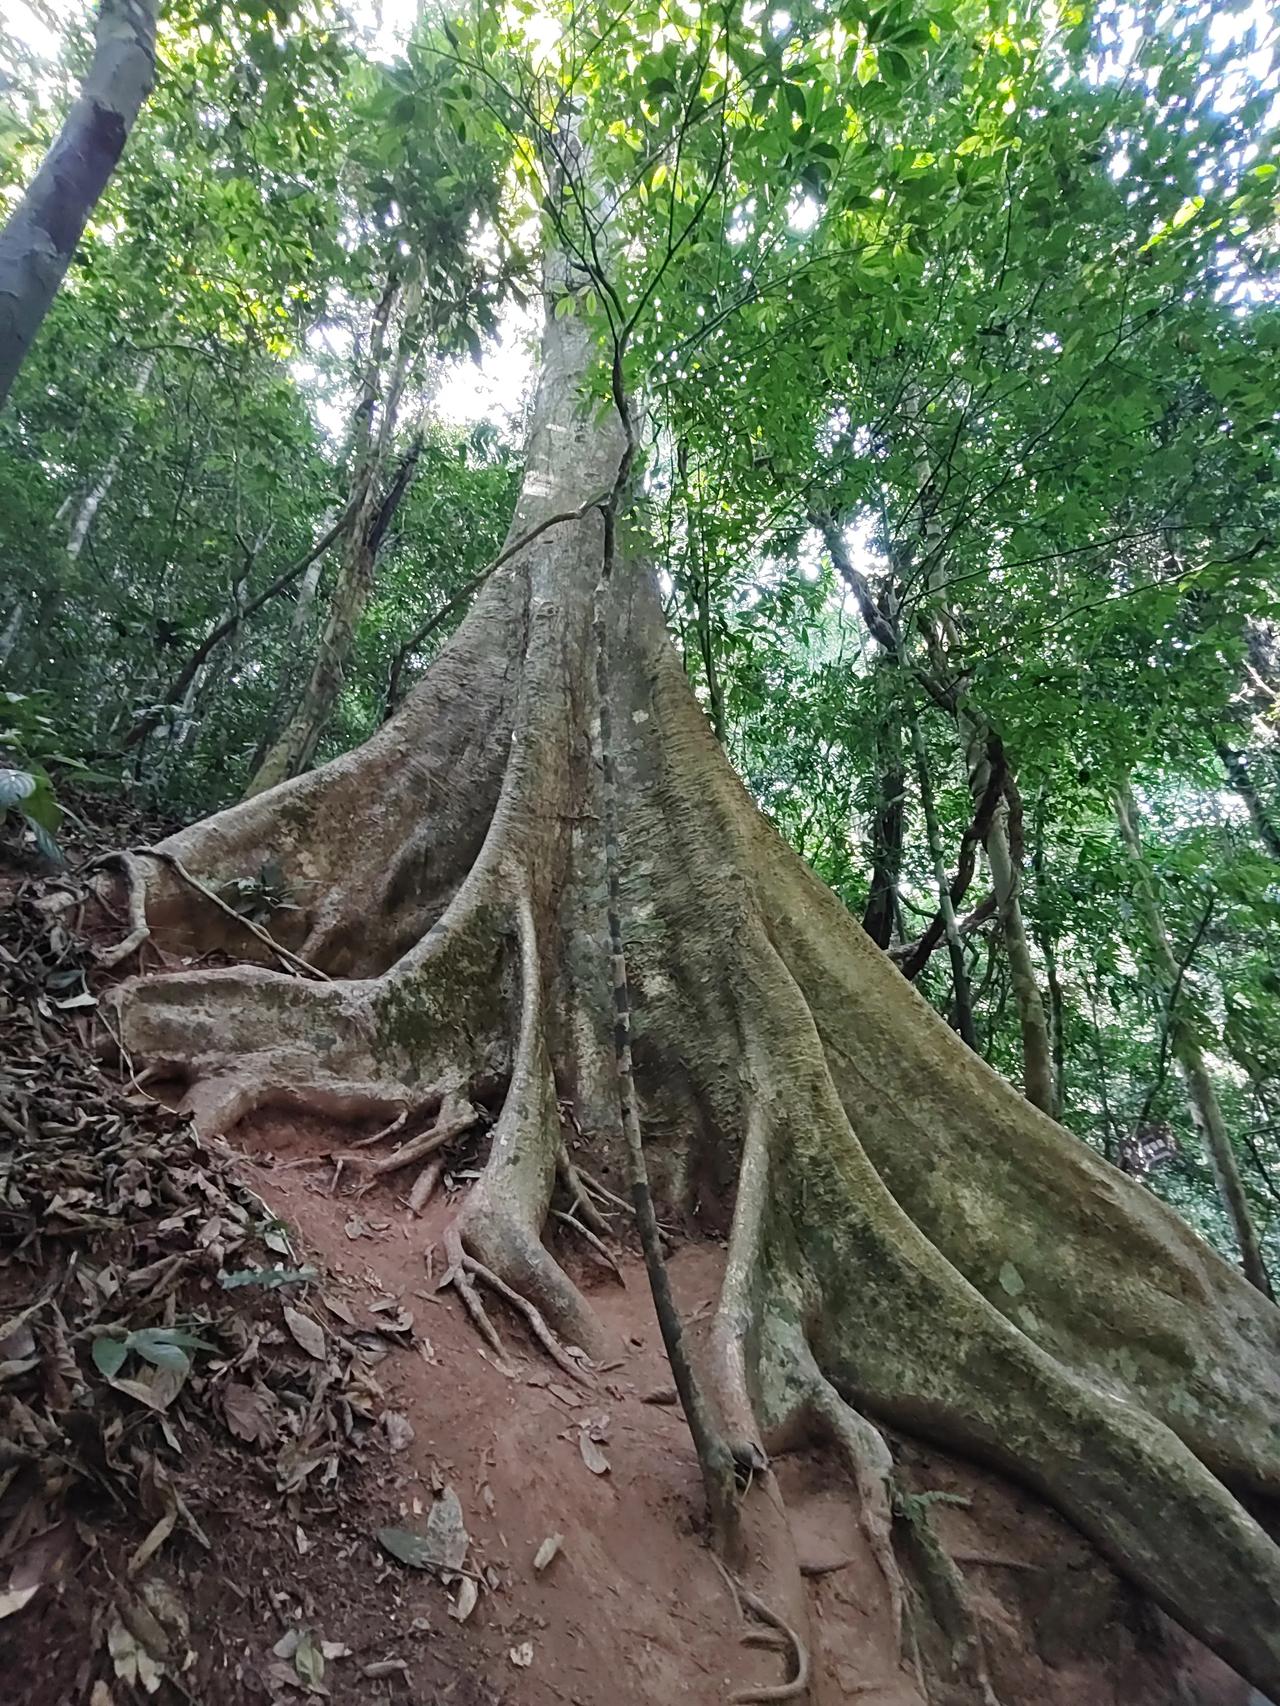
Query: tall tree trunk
[369, 513]
[991, 806]
[295, 746]
[1037, 1058]
[911, 1243]
[10, 632]
[1202, 1098]
[40, 238]
[293, 662]
[91, 503]
[888, 823]
[950, 924]
[1049, 954]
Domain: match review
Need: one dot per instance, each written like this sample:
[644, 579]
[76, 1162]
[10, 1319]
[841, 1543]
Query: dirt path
[632, 1608]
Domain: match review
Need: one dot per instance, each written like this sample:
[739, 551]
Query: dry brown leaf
[465, 1604]
[157, 1389]
[15, 1598]
[592, 1456]
[337, 1306]
[154, 1541]
[307, 1332]
[447, 1531]
[249, 1413]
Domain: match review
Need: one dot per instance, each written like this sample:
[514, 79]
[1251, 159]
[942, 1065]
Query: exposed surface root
[580, 1202]
[458, 1276]
[590, 1238]
[944, 1606]
[777, 1626]
[384, 1132]
[136, 900]
[424, 1186]
[869, 1463]
[456, 1117]
[464, 1270]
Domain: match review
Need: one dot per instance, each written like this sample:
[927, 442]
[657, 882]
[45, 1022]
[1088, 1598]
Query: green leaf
[270, 1279]
[15, 785]
[109, 1355]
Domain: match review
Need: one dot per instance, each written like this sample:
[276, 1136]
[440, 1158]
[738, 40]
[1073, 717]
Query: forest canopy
[925, 358]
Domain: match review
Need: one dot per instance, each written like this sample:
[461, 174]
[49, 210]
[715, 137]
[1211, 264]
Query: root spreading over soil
[255, 1495]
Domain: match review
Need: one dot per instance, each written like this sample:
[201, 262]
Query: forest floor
[194, 1513]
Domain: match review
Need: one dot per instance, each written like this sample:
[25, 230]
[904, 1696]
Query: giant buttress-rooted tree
[910, 1242]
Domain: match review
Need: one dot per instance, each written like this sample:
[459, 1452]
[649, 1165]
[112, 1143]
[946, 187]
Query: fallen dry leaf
[16, 1598]
[592, 1456]
[547, 1552]
[306, 1331]
[465, 1604]
[249, 1413]
[522, 1656]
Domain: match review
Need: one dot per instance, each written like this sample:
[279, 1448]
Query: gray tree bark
[40, 238]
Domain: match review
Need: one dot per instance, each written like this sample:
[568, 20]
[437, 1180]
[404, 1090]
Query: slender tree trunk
[92, 501]
[369, 517]
[976, 742]
[706, 639]
[950, 924]
[294, 658]
[888, 822]
[40, 238]
[1053, 986]
[1206, 1111]
[295, 746]
[1037, 1060]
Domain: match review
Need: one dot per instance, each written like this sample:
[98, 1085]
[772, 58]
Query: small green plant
[29, 794]
[162, 1347]
[259, 896]
[31, 745]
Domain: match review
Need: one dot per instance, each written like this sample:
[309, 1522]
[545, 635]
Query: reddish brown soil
[632, 1609]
